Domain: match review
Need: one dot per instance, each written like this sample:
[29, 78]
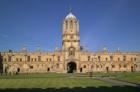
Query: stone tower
[70, 36]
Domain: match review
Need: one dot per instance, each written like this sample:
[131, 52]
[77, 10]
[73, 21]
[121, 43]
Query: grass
[48, 81]
[51, 83]
[135, 79]
[124, 76]
[130, 77]
[63, 83]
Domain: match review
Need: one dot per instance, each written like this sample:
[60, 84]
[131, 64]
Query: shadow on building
[76, 89]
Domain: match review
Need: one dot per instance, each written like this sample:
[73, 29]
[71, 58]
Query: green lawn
[51, 83]
[124, 76]
[59, 83]
[130, 77]
[48, 81]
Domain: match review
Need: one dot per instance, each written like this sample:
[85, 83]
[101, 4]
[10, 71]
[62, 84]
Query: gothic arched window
[71, 24]
[66, 25]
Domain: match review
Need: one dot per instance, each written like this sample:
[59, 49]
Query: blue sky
[33, 23]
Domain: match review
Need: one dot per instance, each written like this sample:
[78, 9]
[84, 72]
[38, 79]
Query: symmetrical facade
[71, 58]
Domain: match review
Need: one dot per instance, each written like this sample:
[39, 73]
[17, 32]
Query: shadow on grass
[76, 89]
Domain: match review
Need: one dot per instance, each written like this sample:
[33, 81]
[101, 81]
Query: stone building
[71, 58]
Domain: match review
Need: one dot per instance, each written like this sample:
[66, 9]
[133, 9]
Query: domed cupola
[71, 23]
[70, 16]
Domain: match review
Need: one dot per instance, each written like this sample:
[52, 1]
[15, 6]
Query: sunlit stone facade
[71, 58]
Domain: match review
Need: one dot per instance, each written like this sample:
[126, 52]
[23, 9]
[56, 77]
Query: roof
[70, 15]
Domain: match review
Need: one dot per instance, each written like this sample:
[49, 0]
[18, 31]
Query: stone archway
[71, 67]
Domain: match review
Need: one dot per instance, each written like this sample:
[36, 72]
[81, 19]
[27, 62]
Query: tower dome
[70, 16]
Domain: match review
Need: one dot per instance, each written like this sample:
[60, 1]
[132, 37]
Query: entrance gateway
[71, 67]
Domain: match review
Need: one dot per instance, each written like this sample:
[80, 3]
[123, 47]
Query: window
[99, 58]
[39, 58]
[111, 58]
[88, 58]
[66, 25]
[9, 58]
[35, 59]
[58, 58]
[20, 59]
[28, 58]
[57, 65]
[119, 65]
[101, 66]
[32, 59]
[118, 59]
[131, 59]
[16, 59]
[31, 67]
[113, 66]
[48, 69]
[124, 58]
[5, 59]
[84, 66]
[50, 59]
[106, 59]
[71, 24]
[97, 66]
[135, 59]
[125, 66]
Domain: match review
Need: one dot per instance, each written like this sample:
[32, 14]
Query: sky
[38, 23]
